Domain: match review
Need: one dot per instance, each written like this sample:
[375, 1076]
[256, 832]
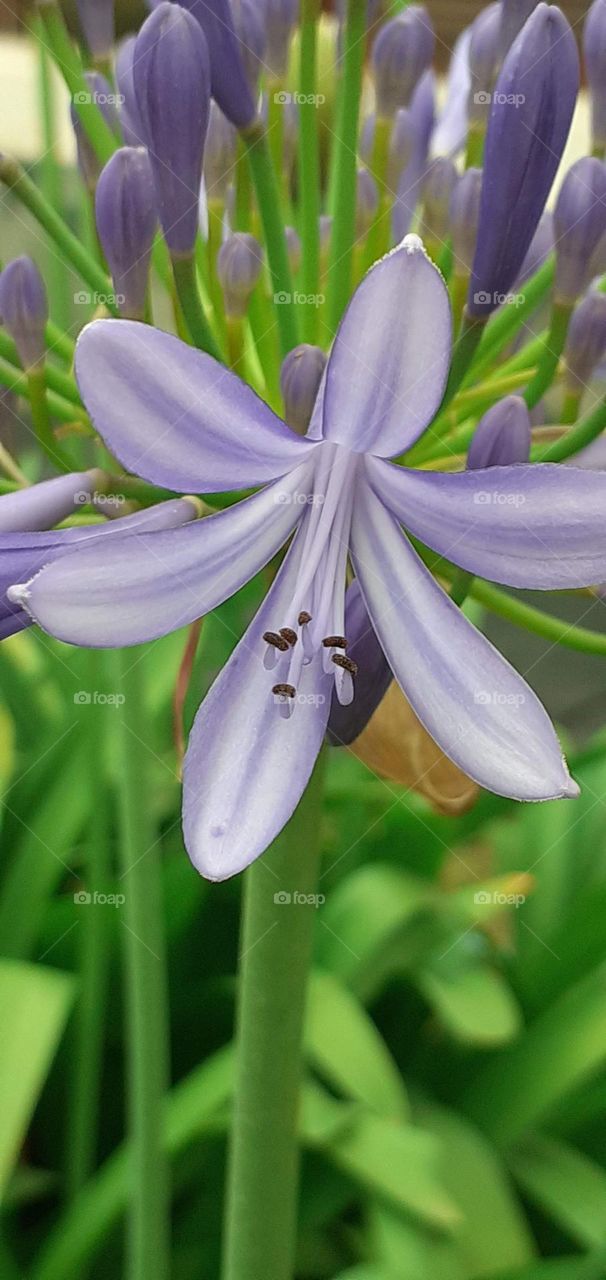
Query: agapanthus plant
[327, 306]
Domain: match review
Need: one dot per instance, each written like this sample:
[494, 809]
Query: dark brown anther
[278, 641]
[334, 642]
[304, 617]
[289, 635]
[284, 690]
[347, 664]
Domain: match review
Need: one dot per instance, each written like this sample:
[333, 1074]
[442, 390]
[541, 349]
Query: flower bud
[438, 185]
[40, 506]
[280, 20]
[96, 19]
[464, 218]
[24, 309]
[290, 136]
[239, 265]
[579, 224]
[484, 47]
[172, 83]
[101, 92]
[594, 51]
[422, 115]
[219, 154]
[367, 201]
[293, 249]
[502, 437]
[300, 378]
[130, 122]
[126, 222]
[527, 130]
[514, 13]
[229, 83]
[249, 22]
[402, 51]
[586, 340]
[401, 143]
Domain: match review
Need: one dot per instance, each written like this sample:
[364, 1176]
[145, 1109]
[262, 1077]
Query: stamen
[304, 618]
[347, 664]
[284, 690]
[289, 635]
[279, 641]
[334, 642]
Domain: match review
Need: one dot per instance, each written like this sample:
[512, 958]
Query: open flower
[180, 419]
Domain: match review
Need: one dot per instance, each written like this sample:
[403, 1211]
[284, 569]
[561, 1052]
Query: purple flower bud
[579, 223]
[100, 92]
[594, 51]
[126, 222]
[401, 143]
[42, 505]
[281, 16]
[586, 341]
[300, 378]
[293, 249]
[402, 51]
[438, 185]
[172, 83]
[97, 22]
[514, 14]
[484, 48]
[239, 265]
[464, 218]
[24, 309]
[422, 114]
[130, 122]
[290, 135]
[229, 83]
[367, 201]
[219, 154]
[250, 25]
[367, 137]
[502, 437]
[527, 130]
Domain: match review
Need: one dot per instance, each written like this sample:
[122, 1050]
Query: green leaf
[493, 1233]
[34, 1004]
[522, 1084]
[404, 1248]
[344, 1045]
[473, 1002]
[368, 917]
[566, 1184]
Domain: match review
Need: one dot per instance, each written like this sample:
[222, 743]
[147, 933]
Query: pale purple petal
[176, 416]
[151, 584]
[542, 527]
[42, 505]
[388, 366]
[451, 129]
[247, 765]
[476, 707]
[24, 554]
[374, 673]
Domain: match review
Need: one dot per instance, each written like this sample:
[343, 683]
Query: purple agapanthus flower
[180, 419]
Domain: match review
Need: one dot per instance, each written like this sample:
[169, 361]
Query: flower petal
[388, 366]
[154, 583]
[542, 527]
[24, 554]
[42, 505]
[176, 416]
[373, 678]
[475, 706]
[247, 765]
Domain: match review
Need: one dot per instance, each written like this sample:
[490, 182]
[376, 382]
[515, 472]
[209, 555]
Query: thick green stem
[272, 221]
[550, 358]
[14, 176]
[345, 162]
[472, 330]
[186, 285]
[504, 325]
[309, 165]
[41, 420]
[66, 58]
[95, 944]
[378, 236]
[16, 381]
[260, 1227]
[587, 429]
[145, 979]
